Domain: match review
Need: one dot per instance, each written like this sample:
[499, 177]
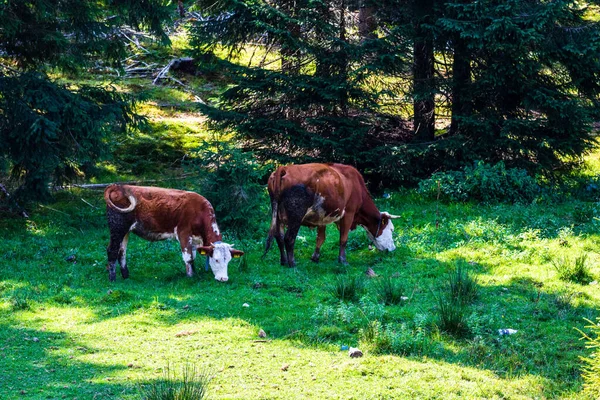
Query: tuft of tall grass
[573, 271]
[462, 285]
[347, 289]
[390, 291]
[243, 265]
[20, 302]
[452, 317]
[192, 385]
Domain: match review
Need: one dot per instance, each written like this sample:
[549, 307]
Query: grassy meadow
[67, 332]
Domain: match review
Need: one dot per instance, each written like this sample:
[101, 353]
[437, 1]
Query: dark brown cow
[157, 214]
[316, 195]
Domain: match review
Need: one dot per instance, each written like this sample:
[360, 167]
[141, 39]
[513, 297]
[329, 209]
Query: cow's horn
[390, 216]
[132, 200]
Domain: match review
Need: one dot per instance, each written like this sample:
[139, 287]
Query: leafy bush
[573, 270]
[191, 386]
[390, 291]
[481, 182]
[232, 180]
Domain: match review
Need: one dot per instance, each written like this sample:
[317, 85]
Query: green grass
[66, 331]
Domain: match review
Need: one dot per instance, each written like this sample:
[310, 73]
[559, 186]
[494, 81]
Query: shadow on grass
[44, 364]
[283, 301]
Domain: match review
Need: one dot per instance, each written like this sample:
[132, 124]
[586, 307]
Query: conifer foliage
[49, 131]
[421, 85]
[320, 99]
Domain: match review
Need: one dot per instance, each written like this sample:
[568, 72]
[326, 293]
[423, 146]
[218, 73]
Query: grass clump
[462, 285]
[192, 385]
[576, 271]
[20, 302]
[347, 289]
[452, 317]
[390, 291]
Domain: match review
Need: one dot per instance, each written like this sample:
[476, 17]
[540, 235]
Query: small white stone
[245, 305]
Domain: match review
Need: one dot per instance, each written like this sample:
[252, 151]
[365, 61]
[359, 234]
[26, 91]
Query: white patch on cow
[187, 257]
[196, 240]
[219, 260]
[133, 226]
[384, 241]
[316, 213]
[175, 234]
[215, 228]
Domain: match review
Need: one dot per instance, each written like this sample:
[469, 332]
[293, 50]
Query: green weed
[192, 385]
[390, 291]
[576, 270]
[452, 317]
[462, 285]
[347, 289]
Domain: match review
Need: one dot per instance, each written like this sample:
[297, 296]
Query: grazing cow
[157, 214]
[316, 195]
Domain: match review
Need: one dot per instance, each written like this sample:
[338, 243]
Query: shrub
[348, 289]
[191, 386]
[232, 180]
[481, 182]
[390, 291]
[462, 285]
[573, 270]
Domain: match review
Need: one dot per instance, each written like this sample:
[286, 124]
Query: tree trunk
[366, 21]
[423, 69]
[461, 78]
[290, 58]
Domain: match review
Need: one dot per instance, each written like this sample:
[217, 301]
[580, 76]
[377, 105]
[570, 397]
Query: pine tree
[525, 84]
[49, 131]
[322, 103]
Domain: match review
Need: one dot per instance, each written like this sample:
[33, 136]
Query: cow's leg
[187, 251]
[344, 226]
[280, 244]
[320, 240]
[118, 225]
[296, 202]
[123, 257]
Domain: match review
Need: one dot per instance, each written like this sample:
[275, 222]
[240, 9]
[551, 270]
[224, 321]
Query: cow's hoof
[315, 258]
[112, 278]
[343, 261]
[125, 273]
[284, 262]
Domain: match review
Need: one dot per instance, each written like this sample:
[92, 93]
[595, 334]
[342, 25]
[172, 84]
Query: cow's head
[383, 239]
[219, 254]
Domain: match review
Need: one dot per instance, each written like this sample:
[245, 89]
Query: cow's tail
[274, 193]
[113, 188]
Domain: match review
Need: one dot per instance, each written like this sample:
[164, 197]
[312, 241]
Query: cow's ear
[206, 250]
[236, 253]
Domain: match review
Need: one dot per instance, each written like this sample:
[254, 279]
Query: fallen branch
[5, 191]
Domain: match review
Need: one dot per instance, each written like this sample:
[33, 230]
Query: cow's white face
[221, 255]
[385, 241]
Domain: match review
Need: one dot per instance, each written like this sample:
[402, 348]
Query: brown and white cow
[156, 214]
[316, 195]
